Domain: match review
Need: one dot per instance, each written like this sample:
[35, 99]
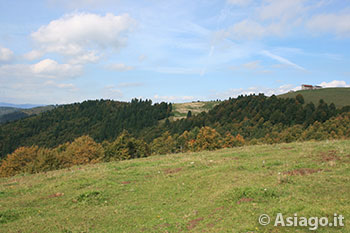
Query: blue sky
[64, 51]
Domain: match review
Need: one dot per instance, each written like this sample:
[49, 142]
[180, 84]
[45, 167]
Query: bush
[20, 161]
[83, 150]
[29, 160]
[125, 147]
[207, 139]
[164, 144]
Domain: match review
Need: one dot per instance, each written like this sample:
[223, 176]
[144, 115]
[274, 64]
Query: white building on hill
[310, 87]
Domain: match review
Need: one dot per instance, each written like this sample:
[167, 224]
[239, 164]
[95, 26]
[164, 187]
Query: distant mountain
[339, 96]
[20, 105]
[8, 114]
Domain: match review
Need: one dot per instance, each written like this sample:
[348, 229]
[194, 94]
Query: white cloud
[120, 67]
[88, 57]
[5, 54]
[338, 24]
[270, 18]
[51, 69]
[239, 2]
[178, 70]
[126, 85]
[33, 55]
[246, 29]
[74, 33]
[281, 9]
[251, 30]
[60, 85]
[112, 92]
[142, 58]
[39, 83]
[74, 4]
[334, 83]
[282, 60]
[252, 65]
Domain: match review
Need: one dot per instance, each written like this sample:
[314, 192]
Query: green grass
[339, 96]
[220, 191]
[180, 110]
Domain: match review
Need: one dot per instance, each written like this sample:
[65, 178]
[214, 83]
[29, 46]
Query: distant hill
[339, 96]
[101, 119]
[180, 110]
[8, 114]
[252, 117]
[2, 104]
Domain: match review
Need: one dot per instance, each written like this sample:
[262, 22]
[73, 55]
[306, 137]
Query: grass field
[221, 191]
[180, 110]
[339, 96]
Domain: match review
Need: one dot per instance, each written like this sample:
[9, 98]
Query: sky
[65, 51]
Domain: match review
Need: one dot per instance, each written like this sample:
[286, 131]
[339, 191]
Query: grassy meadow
[339, 96]
[180, 110]
[219, 191]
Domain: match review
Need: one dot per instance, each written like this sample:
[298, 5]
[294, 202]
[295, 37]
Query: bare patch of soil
[172, 171]
[56, 195]
[126, 182]
[302, 171]
[243, 200]
[330, 156]
[192, 224]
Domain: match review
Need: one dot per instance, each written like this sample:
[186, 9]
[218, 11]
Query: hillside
[180, 110]
[101, 119]
[253, 117]
[8, 114]
[21, 106]
[221, 191]
[339, 96]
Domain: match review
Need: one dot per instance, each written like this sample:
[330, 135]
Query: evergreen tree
[189, 114]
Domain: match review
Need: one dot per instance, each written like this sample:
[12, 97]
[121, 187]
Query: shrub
[207, 139]
[125, 147]
[21, 160]
[164, 144]
[83, 150]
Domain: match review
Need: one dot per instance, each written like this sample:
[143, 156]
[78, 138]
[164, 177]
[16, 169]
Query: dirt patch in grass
[218, 209]
[329, 156]
[302, 172]
[287, 148]
[161, 227]
[56, 195]
[172, 171]
[244, 200]
[126, 182]
[212, 224]
[192, 224]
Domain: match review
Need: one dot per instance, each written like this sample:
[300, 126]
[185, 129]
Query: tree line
[119, 130]
[100, 119]
[84, 150]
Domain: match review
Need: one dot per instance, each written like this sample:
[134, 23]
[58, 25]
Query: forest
[105, 130]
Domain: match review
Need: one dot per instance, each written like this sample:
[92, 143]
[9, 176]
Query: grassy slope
[339, 96]
[221, 191]
[180, 110]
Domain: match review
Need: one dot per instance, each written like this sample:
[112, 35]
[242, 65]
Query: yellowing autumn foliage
[82, 150]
